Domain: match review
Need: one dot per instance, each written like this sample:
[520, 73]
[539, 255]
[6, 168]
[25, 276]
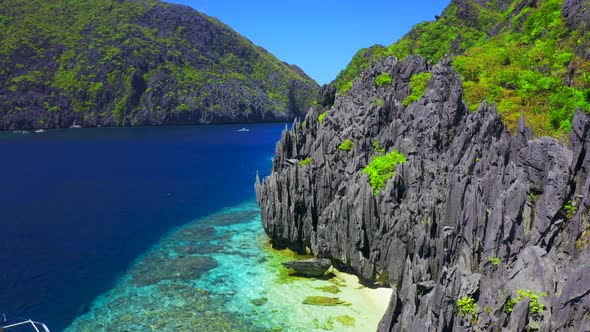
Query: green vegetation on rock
[346, 145]
[381, 168]
[322, 116]
[522, 56]
[329, 289]
[122, 63]
[534, 306]
[328, 325]
[570, 209]
[466, 305]
[306, 161]
[345, 87]
[324, 301]
[346, 320]
[531, 67]
[418, 84]
[495, 260]
[383, 79]
[360, 62]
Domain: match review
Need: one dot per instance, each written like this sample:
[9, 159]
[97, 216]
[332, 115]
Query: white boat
[8, 323]
[75, 126]
[40, 130]
[244, 129]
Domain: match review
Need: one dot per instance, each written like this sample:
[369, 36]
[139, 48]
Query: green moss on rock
[259, 301]
[329, 289]
[324, 301]
[346, 320]
[383, 79]
[381, 168]
[418, 83]
[322, 116]
[305, 162]
[346, 145]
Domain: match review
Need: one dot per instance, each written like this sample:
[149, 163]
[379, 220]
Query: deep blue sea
[79, 206]
[154, 229]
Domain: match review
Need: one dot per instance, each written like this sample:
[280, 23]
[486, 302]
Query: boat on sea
[244, 129]
[40, 130]
[18, 324]
[75, 126]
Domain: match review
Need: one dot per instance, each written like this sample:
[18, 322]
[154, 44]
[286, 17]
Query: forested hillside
[109, 62]
[526, 55]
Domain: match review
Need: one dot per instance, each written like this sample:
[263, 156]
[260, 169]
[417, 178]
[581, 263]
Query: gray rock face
[309, 267]
[475, 211]
[575, 14]
[577, 17]
[326, 95]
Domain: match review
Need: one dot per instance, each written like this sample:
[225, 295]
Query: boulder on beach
[314, 267]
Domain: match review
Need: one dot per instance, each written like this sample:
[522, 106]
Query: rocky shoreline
[481, 228]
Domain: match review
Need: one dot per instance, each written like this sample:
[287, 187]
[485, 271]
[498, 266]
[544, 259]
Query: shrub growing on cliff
[466, 305]
[344, 89]
[360, 62]
[346, 145]
[495, 260]
[532, 197]
[418, 84]
[534, 306]
[383, 79]
[322, 116]
[306, 161]
[381, 168]
[570, 209]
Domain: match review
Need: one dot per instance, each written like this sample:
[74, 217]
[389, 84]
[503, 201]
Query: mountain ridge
[146, 62]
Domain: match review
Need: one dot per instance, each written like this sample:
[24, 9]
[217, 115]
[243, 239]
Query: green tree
[382, 168]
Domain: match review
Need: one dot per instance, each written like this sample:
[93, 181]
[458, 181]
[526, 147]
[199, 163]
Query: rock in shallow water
[309, 267]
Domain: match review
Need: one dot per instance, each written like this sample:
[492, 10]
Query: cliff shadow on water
[480, 228]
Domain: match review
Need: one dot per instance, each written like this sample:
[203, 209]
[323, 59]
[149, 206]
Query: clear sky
[320, 36]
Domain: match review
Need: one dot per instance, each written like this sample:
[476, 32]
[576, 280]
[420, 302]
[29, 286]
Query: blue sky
[319, 36]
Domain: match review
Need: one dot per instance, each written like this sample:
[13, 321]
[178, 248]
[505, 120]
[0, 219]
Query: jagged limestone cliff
[475, 213]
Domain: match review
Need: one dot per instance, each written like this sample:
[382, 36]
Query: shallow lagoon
[218, 273]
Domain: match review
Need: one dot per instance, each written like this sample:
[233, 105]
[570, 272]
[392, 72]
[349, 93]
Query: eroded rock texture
[476, 211]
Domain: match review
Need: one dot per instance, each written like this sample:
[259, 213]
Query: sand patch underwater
[219, 274]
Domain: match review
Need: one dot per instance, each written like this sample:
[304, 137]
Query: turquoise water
[218, 274]
[79, 206]
[154, 229]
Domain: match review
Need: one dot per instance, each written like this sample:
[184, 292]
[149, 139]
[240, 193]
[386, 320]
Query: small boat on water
[244, 129]
[40, 130]
[10, 323]
[75, 126]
